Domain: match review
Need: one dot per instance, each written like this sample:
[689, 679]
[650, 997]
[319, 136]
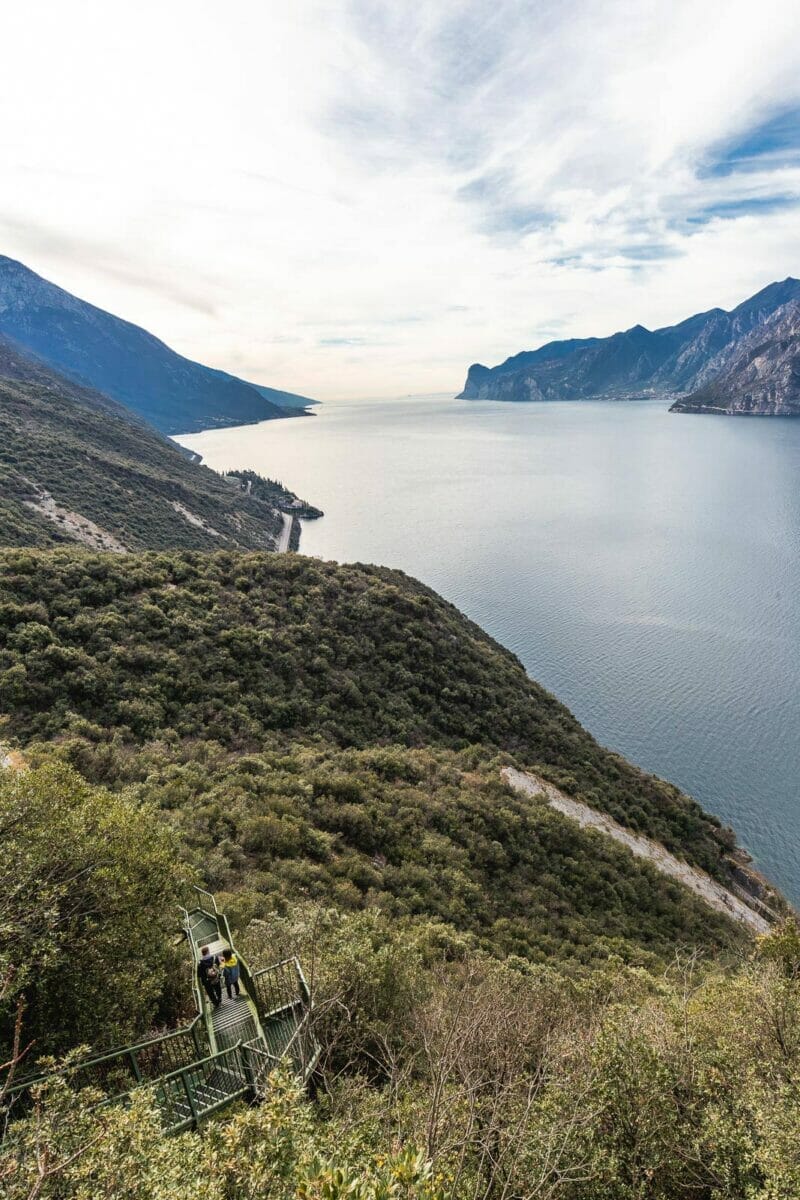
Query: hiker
[230, 972]
[208, 974]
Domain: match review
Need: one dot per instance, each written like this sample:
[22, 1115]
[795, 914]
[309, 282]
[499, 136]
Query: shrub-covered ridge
[96, 460]
[237, 647]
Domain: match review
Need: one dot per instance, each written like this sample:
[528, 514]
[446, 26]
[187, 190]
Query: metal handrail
[222, 922]
[187, 1077]
[279, 987]
[211, 897]
[284, 962]
[120, 1052]
[259, 1073]
[198, 998]
[257, 1046]
[200, 1062]
[134, 1060]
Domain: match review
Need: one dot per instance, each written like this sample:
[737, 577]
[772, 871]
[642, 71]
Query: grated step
[208, 1097]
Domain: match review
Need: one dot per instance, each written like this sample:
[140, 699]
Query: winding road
[285, 534]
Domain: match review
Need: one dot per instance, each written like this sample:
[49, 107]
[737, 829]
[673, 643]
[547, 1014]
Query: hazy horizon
[359, 200]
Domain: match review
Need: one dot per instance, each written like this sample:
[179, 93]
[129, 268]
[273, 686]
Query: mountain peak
[633, 362]
[98, 350]
[21, 288]
[773, 296]
[11, 267]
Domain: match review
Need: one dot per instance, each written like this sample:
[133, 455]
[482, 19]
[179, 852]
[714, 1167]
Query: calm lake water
[644, 566]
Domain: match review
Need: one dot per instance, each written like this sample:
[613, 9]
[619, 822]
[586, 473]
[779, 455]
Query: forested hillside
[585, 1083]
[506, 1004]
[232, 648]
[77, 467]
[121, 360]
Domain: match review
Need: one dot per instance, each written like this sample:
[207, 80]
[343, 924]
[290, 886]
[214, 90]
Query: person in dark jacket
[208, 972]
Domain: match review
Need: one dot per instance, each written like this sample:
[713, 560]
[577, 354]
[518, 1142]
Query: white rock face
[74, 524]
[762, 379]
[708, 889]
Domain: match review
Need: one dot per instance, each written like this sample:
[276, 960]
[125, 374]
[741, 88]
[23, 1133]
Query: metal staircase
[226, 1053]
[238, 1020]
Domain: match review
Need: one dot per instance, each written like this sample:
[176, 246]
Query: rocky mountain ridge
[122, 360]
[762, 378]
[636, 362]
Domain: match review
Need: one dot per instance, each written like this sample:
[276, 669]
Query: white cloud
[363, 197]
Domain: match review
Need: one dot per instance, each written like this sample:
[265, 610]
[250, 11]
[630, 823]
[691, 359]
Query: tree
[88, 882]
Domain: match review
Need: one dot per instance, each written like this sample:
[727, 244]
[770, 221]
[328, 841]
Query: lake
[644, 566]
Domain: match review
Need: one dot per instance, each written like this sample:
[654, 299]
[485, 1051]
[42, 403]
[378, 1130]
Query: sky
[353, 198]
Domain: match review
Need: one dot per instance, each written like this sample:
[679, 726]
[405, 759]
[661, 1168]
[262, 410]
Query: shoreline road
[285, 534]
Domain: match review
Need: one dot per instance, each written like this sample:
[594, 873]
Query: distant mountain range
[743, 361]
[77, 467]
[103, 352]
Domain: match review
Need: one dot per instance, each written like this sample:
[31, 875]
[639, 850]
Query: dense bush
[237, 647]
[412, 832]
[280, 1151]
[508, 1006]
[452, 1076]
[87, 885]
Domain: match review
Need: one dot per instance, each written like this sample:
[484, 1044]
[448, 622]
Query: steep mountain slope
[763, 376]
[246, 649]
[285, 400]
[125, 362]
[632, 363]
[77, 466]
[325, 747]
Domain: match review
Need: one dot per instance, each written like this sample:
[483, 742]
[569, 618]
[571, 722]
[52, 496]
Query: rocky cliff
[762, 379]
[636, 362]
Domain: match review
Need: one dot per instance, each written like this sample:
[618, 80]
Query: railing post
[305, 991]
[165, 1105]
[134, 1063]
[241, 1065]
[250, 1068]
[190, 1097]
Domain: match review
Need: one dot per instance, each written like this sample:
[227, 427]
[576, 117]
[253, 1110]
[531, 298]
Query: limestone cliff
[763, 378]
[636, 362]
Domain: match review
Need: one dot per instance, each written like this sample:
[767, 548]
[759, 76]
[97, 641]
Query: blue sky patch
[770, 143]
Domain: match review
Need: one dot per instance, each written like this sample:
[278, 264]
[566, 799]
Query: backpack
[209, 969]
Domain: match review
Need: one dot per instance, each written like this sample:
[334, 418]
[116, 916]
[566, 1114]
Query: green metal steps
[233, 1022]
[208, 1086]
[227, 1053]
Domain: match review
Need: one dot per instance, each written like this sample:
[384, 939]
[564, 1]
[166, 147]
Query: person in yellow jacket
[230, 972]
